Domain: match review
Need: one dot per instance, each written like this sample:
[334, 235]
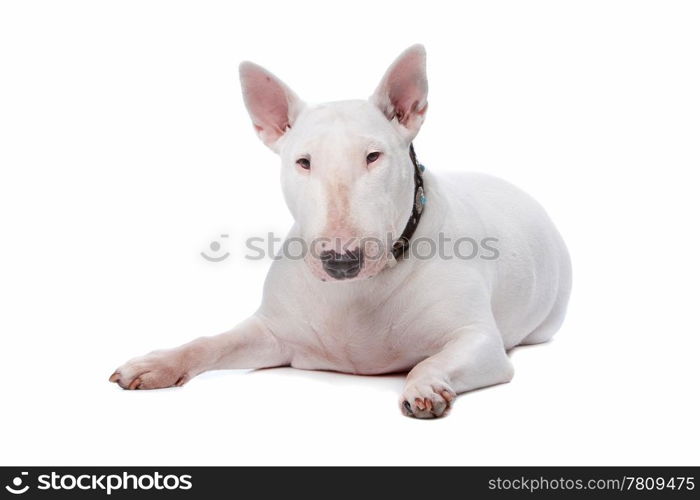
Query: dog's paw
[427, 400]
[156, 370]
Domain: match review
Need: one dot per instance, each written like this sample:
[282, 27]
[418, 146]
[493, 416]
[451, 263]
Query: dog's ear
[272, 105]
[403, 92]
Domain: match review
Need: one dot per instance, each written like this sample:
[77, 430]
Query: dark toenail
[407, 405]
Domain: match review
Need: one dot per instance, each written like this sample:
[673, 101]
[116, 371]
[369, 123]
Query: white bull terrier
[351, 181]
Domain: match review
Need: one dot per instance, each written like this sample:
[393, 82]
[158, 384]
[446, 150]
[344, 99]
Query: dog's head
[346, 172]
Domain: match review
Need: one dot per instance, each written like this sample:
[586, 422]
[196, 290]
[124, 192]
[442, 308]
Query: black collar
[401, 245]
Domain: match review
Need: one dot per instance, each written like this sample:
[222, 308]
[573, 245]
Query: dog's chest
[348, 341]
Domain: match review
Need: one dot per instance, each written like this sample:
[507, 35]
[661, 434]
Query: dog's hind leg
[546, 330]
[249, 345]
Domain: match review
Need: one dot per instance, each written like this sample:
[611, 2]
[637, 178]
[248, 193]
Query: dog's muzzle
[342, 266]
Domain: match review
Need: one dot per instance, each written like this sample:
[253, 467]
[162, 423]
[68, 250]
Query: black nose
[342, 266]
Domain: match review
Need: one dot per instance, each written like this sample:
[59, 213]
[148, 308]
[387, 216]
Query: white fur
[448, 322]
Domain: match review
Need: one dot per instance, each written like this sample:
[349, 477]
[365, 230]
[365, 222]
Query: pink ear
[403, 92]
[272, 106]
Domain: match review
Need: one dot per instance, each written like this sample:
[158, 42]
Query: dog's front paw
[426, 400]
[156, 370]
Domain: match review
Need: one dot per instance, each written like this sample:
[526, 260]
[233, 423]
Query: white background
[125, 149]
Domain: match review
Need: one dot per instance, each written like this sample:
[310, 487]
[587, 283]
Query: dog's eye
[372, 157]
[304, 163]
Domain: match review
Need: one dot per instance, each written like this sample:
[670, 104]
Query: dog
[365, 304]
